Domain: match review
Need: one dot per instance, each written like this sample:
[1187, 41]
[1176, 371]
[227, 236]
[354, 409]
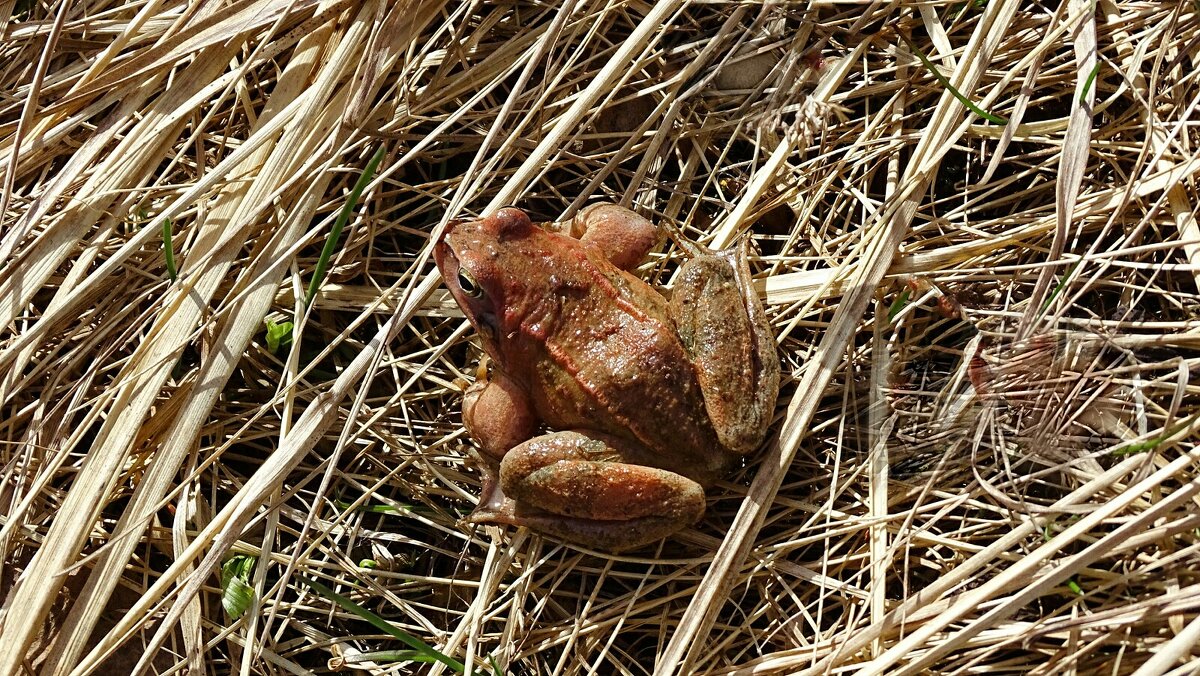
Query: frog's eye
[466, 282]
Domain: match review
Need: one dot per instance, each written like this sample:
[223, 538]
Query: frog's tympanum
[648, 400]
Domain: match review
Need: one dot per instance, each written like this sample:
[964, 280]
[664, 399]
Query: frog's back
[611, 360]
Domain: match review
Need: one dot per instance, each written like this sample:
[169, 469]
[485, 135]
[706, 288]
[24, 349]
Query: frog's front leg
[497, 413]
[592, 489]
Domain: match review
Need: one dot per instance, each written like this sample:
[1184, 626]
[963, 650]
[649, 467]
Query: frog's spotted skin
[652, 399]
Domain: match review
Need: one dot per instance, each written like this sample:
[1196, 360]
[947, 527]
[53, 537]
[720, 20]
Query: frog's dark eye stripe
[467, 283]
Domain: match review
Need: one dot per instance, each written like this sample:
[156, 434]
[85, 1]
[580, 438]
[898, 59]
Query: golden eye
[466, 282]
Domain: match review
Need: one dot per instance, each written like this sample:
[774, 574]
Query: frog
[608, 408]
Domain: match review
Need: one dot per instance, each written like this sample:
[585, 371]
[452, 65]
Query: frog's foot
[575, 486]
[623, 236]
[493, 504]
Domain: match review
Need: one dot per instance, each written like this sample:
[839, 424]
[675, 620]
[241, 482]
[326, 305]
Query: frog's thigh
[579, 476]
[720, 333]
[624, 236]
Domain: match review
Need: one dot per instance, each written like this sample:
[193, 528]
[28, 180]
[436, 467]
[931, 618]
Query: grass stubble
[976, 237]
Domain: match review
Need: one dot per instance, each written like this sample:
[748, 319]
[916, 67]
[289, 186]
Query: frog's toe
[494, 506]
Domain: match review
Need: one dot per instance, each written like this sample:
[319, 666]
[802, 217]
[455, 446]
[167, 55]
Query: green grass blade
[343, 218]
[990, 117]
[423, 649]
[1087, 84]
[168, 250]
[1151, 444]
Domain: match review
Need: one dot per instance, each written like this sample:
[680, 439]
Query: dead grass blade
[879, 244]
[1076, 147]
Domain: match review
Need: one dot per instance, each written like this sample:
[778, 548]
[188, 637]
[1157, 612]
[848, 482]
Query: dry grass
[986, 453]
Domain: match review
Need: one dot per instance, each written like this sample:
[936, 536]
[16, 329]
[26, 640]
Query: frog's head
[486, 263]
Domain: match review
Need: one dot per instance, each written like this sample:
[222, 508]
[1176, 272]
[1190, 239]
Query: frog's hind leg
[581, 487]
[724, 328]
[605, 536]
[622, 235]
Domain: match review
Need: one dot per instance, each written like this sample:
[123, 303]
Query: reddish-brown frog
[653, 399]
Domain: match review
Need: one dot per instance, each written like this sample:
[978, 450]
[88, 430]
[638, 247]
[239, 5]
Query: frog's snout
[448, 244]
[451, 225]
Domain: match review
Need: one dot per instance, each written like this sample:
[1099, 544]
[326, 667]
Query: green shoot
[336, 232]
[423, 651]
[898, 305]
[937, 74]
[236, 590]
[279, 334]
